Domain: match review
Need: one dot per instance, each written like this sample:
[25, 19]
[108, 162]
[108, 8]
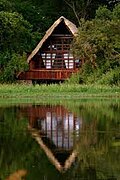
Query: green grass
[64, 91]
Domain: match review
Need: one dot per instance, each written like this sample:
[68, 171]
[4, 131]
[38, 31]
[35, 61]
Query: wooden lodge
[52, 60]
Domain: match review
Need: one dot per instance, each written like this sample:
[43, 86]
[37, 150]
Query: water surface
[37, 140]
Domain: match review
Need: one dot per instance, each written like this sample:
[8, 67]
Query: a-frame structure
[52, 60]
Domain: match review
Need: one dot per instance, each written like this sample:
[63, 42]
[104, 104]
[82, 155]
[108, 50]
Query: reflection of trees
[100, 156]
[18, 150]
[98, 136]
[98, 147]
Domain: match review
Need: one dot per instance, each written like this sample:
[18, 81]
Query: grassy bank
[66, 91]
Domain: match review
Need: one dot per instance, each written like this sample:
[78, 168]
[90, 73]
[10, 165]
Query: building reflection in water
[57, 128]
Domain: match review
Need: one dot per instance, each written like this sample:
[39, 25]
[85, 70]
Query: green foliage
[112, 77]
[41, 14]
[103, 13]
[4, 58]
[15, 32]
[15, 65]
[23, 23]
[116, 12]
[5, 5]
[34, 14]
[98, 45]
[75, 78]
[16, 38]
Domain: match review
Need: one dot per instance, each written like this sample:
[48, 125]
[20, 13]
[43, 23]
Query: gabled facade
[51, 59]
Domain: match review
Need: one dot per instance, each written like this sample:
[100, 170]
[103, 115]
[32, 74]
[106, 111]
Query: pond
[71, 139]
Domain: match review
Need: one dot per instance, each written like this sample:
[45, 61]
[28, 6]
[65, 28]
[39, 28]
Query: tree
[98, 45]
[6, 5]
[16, 64]
[16, 38]
[15, 32]
[98, 39]
[86, 8]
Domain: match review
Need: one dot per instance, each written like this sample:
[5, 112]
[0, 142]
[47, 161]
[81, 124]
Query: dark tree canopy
[23, 22]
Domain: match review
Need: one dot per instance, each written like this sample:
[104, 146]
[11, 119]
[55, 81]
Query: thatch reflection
[54, 130]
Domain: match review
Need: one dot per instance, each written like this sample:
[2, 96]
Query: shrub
[98, 46]
[16, 64]
[112, 77]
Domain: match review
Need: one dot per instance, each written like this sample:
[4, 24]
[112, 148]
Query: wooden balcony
[46, 74]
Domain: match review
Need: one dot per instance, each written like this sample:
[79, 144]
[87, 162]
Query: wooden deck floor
[47, 74]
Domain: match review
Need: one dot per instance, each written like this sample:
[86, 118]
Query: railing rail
[47, 74]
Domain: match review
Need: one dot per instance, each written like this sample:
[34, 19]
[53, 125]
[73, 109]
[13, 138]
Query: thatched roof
[72, 28]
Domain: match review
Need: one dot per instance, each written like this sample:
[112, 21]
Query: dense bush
[98, 46]
[16, 38]
[15, 32]
[16, 64]
[112, 77]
